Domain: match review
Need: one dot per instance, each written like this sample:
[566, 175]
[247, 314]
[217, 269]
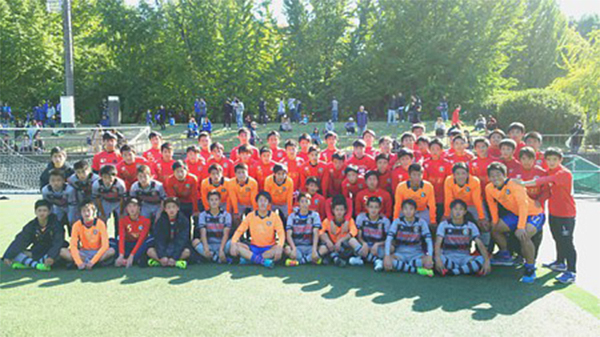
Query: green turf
[248, 300]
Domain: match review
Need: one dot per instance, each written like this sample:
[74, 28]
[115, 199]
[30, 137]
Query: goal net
[24, 152]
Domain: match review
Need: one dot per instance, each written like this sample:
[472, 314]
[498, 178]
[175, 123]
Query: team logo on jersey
[468, 189]
[141, 227]
[316, 202]
[187, 186]
[415, 229]
[223, 190]
[102, 160]
[465, 231]
[95, 232]
[422, 194]
[154, 193]
[269, 223]
[247, 189]
[441, 169]
[507, 192]
[284, 189]
[320, 170]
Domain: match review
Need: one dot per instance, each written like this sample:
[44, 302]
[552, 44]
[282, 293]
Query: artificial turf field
[307, 300]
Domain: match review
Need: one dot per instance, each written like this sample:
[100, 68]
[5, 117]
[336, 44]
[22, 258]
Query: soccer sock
[404, 266]
[335, 257]
[26, 260]
[486, 237]
[371, 258]
[470, 267]
[529, 267]
[357, 249]
[257, 259]
[200, 249]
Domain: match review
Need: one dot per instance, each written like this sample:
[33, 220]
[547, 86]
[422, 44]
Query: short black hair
[496, 166]
[290, 142]
[57, 173]
[264, 194]
[265, 149]
[126, 148]
[240, 166]
[458, 202]
[166, 146]
[528, 152]
[214, 167]
[192, 148]
[154, 134]
[42, 203]
[373, 199]
[216, 145]
[437, 142]
[508, 142]
[460, 166]
[279, 167]
[179, 164]
[338, 155]
[553, 151]
[57, 149]
[481, 140]
[108, 170]
[517, 126]
[409, 202]
[405, 152]
[81, 165]
[372, 173]
[213, 192]
[171, 200]
[359, 143]
[415, 167]
[273, 133]
[534, 135]
[382, 156]
[338, 200]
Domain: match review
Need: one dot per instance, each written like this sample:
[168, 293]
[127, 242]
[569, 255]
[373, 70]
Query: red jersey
[478, 168]
[360, 202]
[350, 190]
[520, 145]
[318, 171]
[205, 154]
[186, 190]
[304, 156]
[225, 163]
[494, 152]
[385, 180]
[163, 169]
[128, 172]
[512, 167]
[293, 167]
[105, 158]
[539, 193]
[233, 155]
[317, 204]
[279, 154]
[198, 168]
[152, 155]
[326, 154]
[399, 174]
[335, 179]
[371, 151]
[436, 171]
[365, 163]
[133, 231]
[465, 157]
[561, 202]
[540, 160]
[260, 171]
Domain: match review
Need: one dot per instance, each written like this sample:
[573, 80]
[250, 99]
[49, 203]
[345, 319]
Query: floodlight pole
[68, 47]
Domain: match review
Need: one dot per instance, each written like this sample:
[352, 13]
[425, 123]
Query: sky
[572, 8]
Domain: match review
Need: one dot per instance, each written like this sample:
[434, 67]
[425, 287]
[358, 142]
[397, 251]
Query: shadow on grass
[499, 294]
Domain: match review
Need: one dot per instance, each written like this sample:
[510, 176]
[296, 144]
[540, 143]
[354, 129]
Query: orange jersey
[186, 190]
[335, 231]
[514, 198]
[91, 237]
[262, 229]
[424, 196]
[244, 194]
[281, 194]
[469, 193]
[128, 172]
[222, 187]
[360, 202]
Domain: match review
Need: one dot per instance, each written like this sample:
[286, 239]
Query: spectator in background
[443, 108]
[162, 113]
[202, 111]
[576, 137]
[334, 110]
[254, 138]
[492, 124]
[192, 131]
[401, 106]
[469, 140]
[439, 124]
[207, 125]
[316, 137]
[197, 108]
[292, 110]
[362, 119]
[286, 125]
[304, 120]
[51, 115]
[38, 143]
[329, 126]
[392, 106]
[280, 110]
[149, 118]
[350, 126]
[26, 145]
[456, 115]
[227, 114]
[299, 110]
[480, 123]
[262, 112]
[238, 107]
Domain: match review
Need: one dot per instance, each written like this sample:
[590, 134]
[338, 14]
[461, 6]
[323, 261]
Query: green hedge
[543, 110]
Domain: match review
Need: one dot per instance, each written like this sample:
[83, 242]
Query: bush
[543, 110]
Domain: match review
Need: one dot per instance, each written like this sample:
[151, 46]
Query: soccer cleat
[502, 259]
[153, 263]
[244, 261]
[566, 278]
[319, 261]
[528, 276]
[269, 263]
[444, 272]
[19, 265]
[291, 263]
[42, 267]
[378, 265]
[425, 272]
[356, 261]
[181, 264]
[340, 262]
[556, 266]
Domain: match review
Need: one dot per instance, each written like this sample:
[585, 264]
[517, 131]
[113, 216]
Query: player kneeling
[45, 235]
[453, 245]
[171, 237]
[133, 239]
[211, 236]
[265, 248]
[302, 232]
[404, 243]
[372, 227]
[338, 236]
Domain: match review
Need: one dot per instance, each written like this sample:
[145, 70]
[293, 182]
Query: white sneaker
[356, 261]
[378, 265]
